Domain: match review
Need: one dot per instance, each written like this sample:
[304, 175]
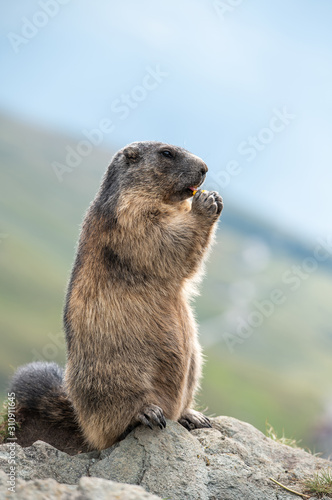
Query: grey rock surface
[88, 488]
[169, 463]
[231, 461]
[41, 461]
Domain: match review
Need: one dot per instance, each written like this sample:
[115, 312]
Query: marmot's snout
[204, 170]
[197, 173]
[189, 174]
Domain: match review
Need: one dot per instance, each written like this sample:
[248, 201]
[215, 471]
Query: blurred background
[246, 85]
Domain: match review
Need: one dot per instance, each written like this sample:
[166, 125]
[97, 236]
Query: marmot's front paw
[192, 419]
[152, 414]
[207, 203]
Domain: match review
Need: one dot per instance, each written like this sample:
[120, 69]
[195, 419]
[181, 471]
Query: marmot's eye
[167, 153]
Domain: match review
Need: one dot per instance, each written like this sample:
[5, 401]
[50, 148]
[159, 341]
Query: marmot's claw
[152, 414]
[208, 202]
[192, 419]
[188, 425]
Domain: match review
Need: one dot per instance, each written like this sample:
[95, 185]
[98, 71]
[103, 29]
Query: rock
[88, 489]
[102, 489]
[41, 461]
[231, 461]
[169, 464]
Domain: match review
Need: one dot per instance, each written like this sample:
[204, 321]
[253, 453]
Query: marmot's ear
[131, 153]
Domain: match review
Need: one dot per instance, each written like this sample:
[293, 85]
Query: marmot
[133, 353]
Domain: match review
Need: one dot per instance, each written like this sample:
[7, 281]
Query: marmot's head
[169, 172]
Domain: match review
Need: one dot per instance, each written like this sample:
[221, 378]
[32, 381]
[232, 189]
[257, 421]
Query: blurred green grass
[281, 373]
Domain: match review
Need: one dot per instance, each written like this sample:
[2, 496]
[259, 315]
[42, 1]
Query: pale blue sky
[227, 73]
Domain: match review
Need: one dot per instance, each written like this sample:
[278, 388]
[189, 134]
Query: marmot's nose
[204, 168]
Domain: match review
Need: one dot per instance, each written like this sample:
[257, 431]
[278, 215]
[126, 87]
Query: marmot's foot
[152, 414]
[207, 203]
[192, 419]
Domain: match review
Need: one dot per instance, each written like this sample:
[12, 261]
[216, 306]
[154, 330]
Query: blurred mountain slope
[281, 371]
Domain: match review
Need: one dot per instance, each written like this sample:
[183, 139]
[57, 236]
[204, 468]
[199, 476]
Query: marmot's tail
[39, 392]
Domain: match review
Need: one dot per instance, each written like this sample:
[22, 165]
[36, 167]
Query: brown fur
[132, 340]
